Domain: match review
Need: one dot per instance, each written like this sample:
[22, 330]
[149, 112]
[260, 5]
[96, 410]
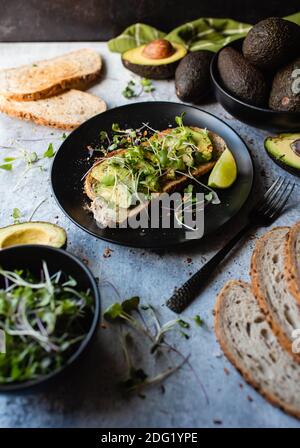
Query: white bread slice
[65, 111]
[77, 69]
[249, 343]
[270, 287]
[292, 261]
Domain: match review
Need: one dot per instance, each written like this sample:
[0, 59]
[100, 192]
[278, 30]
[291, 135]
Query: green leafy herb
[16, 214]
[183, 323]
[6, 166]
[131, 304]
[44, 320]
[198, 320]
[9, 159]
[50, 151]
[129, 91]
[147, 85]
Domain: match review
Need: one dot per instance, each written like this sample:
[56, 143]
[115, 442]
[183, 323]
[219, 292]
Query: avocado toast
[126, 179]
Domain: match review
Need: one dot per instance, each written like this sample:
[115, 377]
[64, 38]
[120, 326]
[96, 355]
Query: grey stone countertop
[90, 396]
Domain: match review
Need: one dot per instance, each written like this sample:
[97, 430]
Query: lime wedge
[224, 172]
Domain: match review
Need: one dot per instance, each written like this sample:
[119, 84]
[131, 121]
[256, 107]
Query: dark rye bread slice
[219, 146]
[74, 70]
[65, 111]
[270, 287]
[250, 345]
[292, 261]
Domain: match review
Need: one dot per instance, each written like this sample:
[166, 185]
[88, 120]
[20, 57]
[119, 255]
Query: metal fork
[264, 213]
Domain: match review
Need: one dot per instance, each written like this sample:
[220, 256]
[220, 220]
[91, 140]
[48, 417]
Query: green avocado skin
[280, 150]
[285, 92]
[243, 80]
[271, 43]
[192, 77]
[162, 71]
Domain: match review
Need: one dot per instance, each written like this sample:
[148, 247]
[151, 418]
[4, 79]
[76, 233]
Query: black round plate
[71, 163]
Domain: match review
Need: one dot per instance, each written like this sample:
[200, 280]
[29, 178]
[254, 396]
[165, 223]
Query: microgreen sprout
[146, 317]
[134, 89]
[43, 320]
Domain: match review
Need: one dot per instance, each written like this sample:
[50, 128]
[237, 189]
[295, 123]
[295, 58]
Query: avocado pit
[158, 49]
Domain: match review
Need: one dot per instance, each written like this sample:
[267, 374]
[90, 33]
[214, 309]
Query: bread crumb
[107, 252]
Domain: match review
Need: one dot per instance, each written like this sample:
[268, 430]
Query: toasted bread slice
[65, 111]
[270, 287]
[292, 261]
[219, 146]
[250, 345]
[74, 70]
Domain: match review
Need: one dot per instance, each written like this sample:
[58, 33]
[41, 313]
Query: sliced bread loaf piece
[270, 287]
[249, 343]
[292, 261]
[74, 70]
[65, 111]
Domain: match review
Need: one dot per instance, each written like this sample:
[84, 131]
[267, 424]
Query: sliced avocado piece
[156, 60]
[285, 151]
[203, 143]
[33, 233]
[118, 194]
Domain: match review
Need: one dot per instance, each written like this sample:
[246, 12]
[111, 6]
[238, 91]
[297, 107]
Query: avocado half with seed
[285, 151]
[33, 233]
[156, 60]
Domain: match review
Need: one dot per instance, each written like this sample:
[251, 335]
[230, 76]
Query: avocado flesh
[280, 149]
[114, 184]
[32, 233]
[164, 68]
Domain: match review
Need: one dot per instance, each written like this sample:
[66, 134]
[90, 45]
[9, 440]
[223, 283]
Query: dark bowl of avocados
[30, 257]
[259, 117]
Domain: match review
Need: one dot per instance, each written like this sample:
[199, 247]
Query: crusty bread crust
[254, 273]
[221, 337]
[56, 111]
[292, 274]
[75, 70]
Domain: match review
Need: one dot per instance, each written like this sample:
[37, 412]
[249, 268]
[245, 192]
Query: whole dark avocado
[285, 92]
[156, 60]
[272, 43]
[241, 78]
[192, 77]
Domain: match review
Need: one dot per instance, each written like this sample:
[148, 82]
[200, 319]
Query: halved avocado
[33, 233]
[285, 151]
[156, 60]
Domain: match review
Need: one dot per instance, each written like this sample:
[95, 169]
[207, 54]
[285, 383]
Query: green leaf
[115, 127]
[113, 311]
[32, 157]
[146, 82]
[198, 320]
[50, 151]
[9, 159]
[183, 323]
[131, 304]
[16, 214]
[6, 166]
[179, 119]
